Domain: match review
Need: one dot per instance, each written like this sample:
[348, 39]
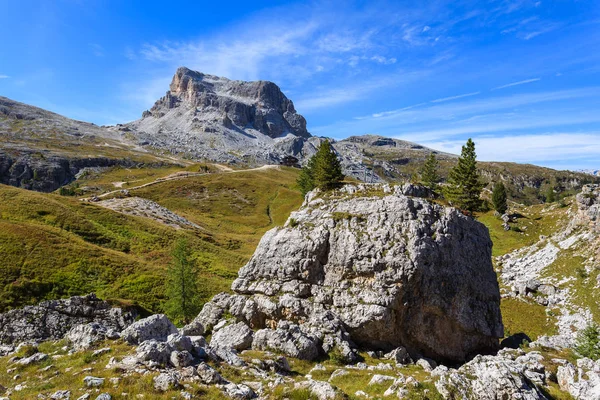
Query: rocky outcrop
[510, 375]
[588, 201]
[47, 173]
[53, 319]
[377, 271]
[581, 381]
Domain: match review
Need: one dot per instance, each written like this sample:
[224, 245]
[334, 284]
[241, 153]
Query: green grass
[534, 221]
[54, 246]
[66, 374]
[526, 316]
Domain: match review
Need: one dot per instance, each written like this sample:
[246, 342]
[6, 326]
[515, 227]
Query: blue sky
[520, 77]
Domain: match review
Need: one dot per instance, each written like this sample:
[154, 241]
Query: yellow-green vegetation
[526, 316]
[532, 222]
[65, 371]
[582, 284]
[54, 246]
[119, 177]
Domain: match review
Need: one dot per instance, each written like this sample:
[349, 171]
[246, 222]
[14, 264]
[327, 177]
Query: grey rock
[92, 381]
[581, 381]
[104, 396]
[399, 355]
[61, 395]
[289, 339]
[238, 391]
[194, 328]
[180, 342]
[86, 396]
[379, 379]
[154, 351]
[427, 364]
[157, 327]
[321, 390]
[488, 378]
[165, 381]
[225, 354]
[236, 336]
[85, 336]
[208, 375]
[36, 358]
[53, 319]
[180, 359]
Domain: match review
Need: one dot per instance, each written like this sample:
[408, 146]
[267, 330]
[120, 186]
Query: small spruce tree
[588, 342]
[464, 185]
[499, 198]
[305, 180]
[429, 173]
[550, 195]
[182, 284]
[327, 170]
[323, 170]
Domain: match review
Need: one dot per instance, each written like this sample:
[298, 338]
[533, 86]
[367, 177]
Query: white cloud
[460, 96]
[532, 148]
[4, 77]
[517, 83]
[97, 49]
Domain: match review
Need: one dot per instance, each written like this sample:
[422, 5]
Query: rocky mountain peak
[208, 103]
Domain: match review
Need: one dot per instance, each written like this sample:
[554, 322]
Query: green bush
[588, 342]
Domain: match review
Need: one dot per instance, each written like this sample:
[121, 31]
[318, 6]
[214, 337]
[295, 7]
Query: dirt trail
[184, 175]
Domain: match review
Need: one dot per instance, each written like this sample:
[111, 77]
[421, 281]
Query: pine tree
[464, 186]
[182, 284]
[429, 173]
[323, 170]
[306, 181]
[550, 195]
[499, 198]
[327, 171]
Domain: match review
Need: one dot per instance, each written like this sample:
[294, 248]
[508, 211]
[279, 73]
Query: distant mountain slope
[43, 151]
[207, 118]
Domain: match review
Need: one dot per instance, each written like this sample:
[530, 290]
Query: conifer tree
[306, 181]
[499, 198]
[429, 173]
[464, 185]
[550, 195]
[323, 170]
[182, 284]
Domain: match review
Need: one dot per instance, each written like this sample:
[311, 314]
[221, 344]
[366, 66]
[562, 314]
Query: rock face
[589, 205]
[380, 271]
[43, 151]
[211, 117]
[53, 319]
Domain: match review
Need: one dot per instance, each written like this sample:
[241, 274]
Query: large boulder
[235, 336]
[370, 266]
[157, 327]
[85, 336]
[53, 319]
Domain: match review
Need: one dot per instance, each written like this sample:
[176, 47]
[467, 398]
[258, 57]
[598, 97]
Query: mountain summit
[210, 116]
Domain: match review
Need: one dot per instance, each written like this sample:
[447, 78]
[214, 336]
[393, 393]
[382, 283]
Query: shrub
[588, 342]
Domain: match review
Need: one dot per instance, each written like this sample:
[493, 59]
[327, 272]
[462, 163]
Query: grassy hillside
[54, 246]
